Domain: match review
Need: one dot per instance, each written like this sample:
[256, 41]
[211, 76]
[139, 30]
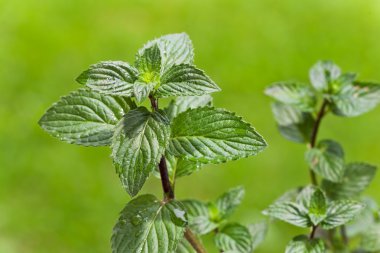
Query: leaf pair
[164, 67]
[312, 209]
[230, 237]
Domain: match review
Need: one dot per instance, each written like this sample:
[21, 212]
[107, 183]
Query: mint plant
[119, 107]
[332, 205]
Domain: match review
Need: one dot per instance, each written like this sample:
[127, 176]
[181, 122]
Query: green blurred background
[56, 197]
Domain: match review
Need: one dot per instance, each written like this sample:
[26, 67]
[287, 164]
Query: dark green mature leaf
[302, 244]
[85, 117]
[210, 135]
[149, 225]
[234, 237]
[357, 177]
[323, 73]
[258, 232]
[341, 212]
[371, 239]
[292, 93]
[181, 104]
[185, 80]
[318, 207]
[139, 143]
[229, 201]
[175, 49]
[110, 77]
[198, 213]
[290, 212]
[327, 159]
[354, 100]
[293, 124]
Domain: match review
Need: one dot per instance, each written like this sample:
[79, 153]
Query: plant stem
[193, 240]
[169, 192]
[313, 230]
[314, 134]
[343, 233]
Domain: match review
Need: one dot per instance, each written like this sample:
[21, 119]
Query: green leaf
[323, 73]
[140, 141]
[175, 49]
[181, 104]
[341, 212]
[229, 201]
[302, 244]
[289, 212]
[141, 91]
[357, 177]
[110, 77]
[210, 135]
[293, 93]
[327, 159]
[199, 218]
[258, 232]
[85, 117]
[354, 100]
[149, 225]
[371, 239]
[234, 237]
[365, 219]
[185, 80]
[293, 124]
[148, 62]
[318, 207]
[304, 197]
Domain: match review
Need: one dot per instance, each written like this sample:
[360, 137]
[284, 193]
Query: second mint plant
[169, 142]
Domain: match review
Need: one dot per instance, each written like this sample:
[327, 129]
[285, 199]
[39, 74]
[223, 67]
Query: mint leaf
[318, 207]
[302, 244]
[185, 247]
[185, 80]
[341, 212]
[110, 77]
[304, 197]
[140, 141]
[357, 177]
[293, 124]
[149, 225]
[293, 93]
[354, 100]
[198, 213]
[234, 237]
[327, 159]
[324, 73]
[175, 49]
[210, 135]
[365, 219]
[258, 232]
[85, 117]
[141, 91]
[148, 62]
[181, 104]
[289, 212]
[371, 239]
[229, 201]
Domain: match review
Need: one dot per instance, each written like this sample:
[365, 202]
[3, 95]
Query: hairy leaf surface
[85, 117]
[139, 143]
[149, 225]
[210, 135]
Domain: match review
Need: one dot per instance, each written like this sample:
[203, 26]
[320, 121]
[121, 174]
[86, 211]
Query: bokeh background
[56, 197]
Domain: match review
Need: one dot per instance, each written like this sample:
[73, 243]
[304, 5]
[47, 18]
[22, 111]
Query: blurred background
[57, 197]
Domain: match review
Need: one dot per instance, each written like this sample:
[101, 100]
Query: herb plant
[112, 109]
[332, 205]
